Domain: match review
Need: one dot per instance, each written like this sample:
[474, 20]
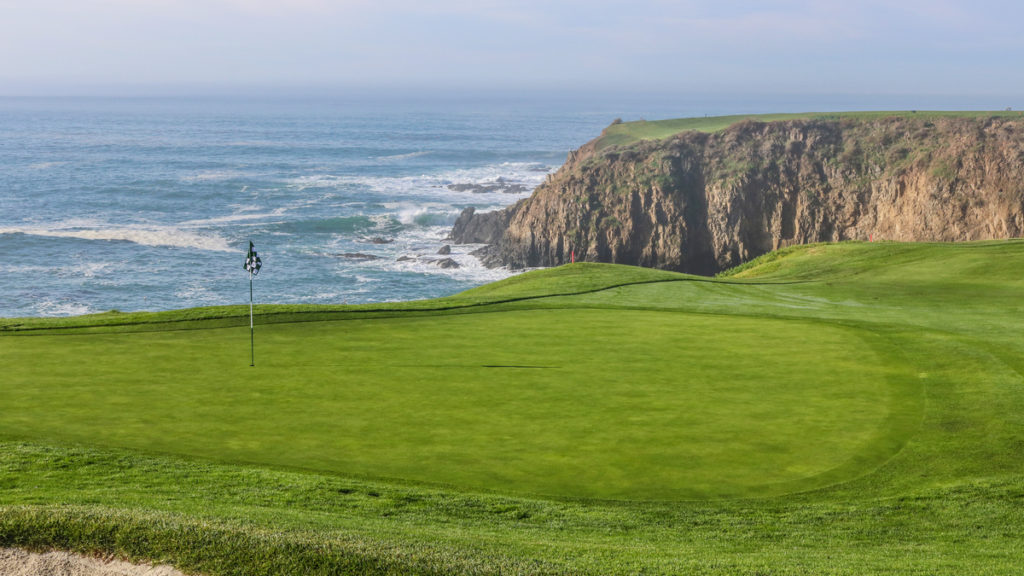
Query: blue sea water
[149, 204]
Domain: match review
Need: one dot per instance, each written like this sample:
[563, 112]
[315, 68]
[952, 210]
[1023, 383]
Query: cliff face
[701, 203]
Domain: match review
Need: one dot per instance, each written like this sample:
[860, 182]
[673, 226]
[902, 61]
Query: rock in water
[446, 263]
[499, 185]
[445, 250]
[701, 203]
[483, 228]
[358, 256]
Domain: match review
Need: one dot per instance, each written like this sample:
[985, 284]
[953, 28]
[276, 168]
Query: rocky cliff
[700, 203]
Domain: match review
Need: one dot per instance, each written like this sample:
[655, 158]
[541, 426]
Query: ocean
[149, 204]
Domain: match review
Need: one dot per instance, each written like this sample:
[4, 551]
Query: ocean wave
[318, 181]
[46, 165]
[339, 225]
[56, 308]
[469, 269]
[427, 215]
[91, 268]
[519, 177]
[277, 212]
[415, 250]
[194, 292]
[212, 176]
[404, 156]
[170, 236]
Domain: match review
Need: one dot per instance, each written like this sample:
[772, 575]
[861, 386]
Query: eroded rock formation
[701, 203]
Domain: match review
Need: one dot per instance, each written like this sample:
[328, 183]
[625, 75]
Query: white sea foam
[404, 156]
[470, 269]
[53, 308]
[46, 165]
[421, 244]
[435, 186]
[194, 292]
[275, 213]
[326, 295]
[431, 214]
[143, 235]
[91, 268]
[6, 269]
[306, 202]
[213, 176]
[318, 181]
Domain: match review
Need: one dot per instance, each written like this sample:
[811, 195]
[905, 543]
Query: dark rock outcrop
[498, 185]
[482, 228]
[702, 203]
[445, 263]
[357, 256]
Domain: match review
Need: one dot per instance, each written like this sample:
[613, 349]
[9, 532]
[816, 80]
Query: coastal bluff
[701, 202]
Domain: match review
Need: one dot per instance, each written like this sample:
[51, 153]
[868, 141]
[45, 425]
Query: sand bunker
[15, 562]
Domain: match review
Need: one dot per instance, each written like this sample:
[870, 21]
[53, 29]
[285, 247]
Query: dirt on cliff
[701, 203]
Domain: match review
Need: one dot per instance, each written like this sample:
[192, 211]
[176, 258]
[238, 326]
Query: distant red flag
[573, 255]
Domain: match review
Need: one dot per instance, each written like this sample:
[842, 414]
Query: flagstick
[252, 265]
[252, 346]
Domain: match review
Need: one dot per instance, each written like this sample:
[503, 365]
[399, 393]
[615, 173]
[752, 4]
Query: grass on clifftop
[843, 409]
[626, 133]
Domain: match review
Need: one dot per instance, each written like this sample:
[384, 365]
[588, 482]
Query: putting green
[576, 403]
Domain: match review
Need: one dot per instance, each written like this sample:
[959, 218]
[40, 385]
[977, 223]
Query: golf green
[569, 403]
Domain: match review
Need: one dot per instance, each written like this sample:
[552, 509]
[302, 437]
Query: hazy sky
[937, 47]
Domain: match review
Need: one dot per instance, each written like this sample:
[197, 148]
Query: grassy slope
[629, 132]
[934, 485]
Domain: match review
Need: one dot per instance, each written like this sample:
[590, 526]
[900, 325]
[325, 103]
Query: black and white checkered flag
[252, 265]
[252, 260]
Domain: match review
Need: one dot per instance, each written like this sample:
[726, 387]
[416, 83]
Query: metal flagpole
[253, 265]
[252, 346]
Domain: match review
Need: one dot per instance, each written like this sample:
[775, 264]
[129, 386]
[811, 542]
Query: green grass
[626, 133]
[518, 402]
[829, 409]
